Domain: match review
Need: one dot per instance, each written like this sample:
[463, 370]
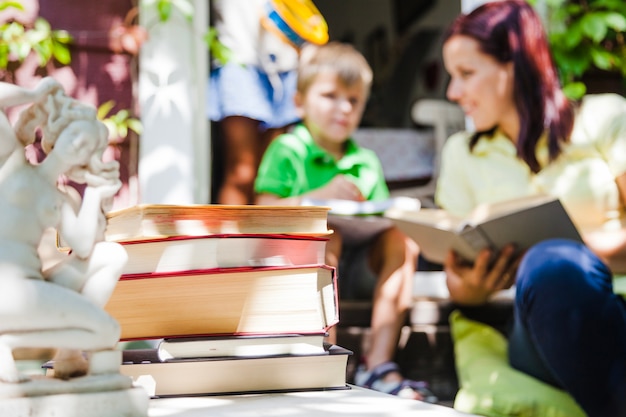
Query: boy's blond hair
[343, 59]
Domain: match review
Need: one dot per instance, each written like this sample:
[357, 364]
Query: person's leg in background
[250, 114]
[241, 148]
[392, 257]
[570, 328]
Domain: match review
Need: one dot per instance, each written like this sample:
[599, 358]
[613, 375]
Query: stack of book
[239, 297]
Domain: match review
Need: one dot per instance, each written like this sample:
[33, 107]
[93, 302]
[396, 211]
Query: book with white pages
[359, 221]
[363, 208]
[184, 253]
[240, 346]
[522, 221]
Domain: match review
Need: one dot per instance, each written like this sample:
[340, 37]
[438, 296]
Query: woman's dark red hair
[511, 31]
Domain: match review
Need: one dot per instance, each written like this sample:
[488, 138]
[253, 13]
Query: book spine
[476, 238]
[223, 236]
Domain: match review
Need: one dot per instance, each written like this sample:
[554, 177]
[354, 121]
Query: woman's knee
[553, 266]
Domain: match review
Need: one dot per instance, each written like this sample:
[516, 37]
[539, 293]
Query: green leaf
[12, 30]
[568, 39]
[121, 116]
[44, 52]
[62, 36]
[573, 8]
[135, 125]
[614, 5]
[104, 109]
[15, 4]
[164, 8]
[574, 62]
[185, 7]
[122, 131]
[110, 127]
[42, 25]
[23, 49]
[210, 36]
[574, 90]
[36, 36]
[594, 26]
[615, 21]
[555, 3]
[61, 53]
[4, 56]
[602, 59]
[218, 50]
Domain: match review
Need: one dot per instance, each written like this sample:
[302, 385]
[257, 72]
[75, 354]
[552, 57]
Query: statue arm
[14, 95]
[83, 229]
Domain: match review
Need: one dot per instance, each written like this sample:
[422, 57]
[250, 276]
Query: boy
[320, 160]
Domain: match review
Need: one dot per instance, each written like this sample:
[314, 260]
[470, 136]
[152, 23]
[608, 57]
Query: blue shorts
[244, 90]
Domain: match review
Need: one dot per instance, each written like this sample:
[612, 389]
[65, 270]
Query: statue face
[79, 141]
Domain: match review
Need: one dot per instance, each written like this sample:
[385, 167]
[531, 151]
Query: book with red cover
[232, 301]
[185, 253]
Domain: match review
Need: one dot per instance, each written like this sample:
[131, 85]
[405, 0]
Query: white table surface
[355, 402]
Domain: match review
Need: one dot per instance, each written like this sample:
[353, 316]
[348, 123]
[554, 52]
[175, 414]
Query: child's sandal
[373, 379]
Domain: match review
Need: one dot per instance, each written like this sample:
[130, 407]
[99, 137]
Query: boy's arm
[274, 200]
[339, 187]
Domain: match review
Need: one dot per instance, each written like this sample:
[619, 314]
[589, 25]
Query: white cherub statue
[61, 307]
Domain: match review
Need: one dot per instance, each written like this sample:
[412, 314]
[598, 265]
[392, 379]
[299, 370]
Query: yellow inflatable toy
[296, 22]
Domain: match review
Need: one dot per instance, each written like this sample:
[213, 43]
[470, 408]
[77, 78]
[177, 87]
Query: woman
[570, 327]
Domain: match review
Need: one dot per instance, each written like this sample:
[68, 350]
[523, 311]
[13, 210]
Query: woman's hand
[474, 284]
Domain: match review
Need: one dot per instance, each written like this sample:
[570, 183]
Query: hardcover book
[184, 253]
[523, 221]
[147, 221]
[322, 371]
[256, 300]
[240, 346]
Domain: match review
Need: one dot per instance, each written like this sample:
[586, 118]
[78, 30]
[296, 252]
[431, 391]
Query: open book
[363, 208]
[359, 221]
[522, 221]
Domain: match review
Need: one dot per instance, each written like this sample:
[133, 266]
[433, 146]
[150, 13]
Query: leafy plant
[217, 49]
[18, 40]
[118, 123]
[164, 8]
[586, 35]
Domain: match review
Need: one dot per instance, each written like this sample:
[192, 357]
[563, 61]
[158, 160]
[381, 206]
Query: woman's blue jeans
[570, 328]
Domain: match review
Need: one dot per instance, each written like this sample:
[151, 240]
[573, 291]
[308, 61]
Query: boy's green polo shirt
[294, 164]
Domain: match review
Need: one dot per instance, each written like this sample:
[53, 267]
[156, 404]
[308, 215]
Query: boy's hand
[340, 187]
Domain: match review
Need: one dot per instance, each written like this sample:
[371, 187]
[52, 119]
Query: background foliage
[585, 35]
